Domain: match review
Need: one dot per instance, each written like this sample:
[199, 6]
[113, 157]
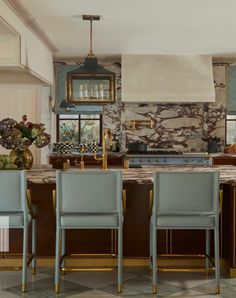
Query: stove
[152, 151]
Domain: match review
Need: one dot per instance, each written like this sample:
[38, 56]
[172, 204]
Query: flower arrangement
[20, 136]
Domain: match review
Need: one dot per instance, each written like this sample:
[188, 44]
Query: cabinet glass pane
[68, 116]
[90, 89]
[68, 131]
[90, 116]
[89, 130]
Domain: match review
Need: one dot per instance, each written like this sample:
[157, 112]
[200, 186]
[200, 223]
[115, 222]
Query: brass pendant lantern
[91, 83]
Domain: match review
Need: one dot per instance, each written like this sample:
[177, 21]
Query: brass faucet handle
[82, 149]
[82, 162]
[82, 165]
[132, 125]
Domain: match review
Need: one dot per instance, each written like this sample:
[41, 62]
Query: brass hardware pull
[54, 202]
[221, 200]
[150, 202]
[29, 202]
[124, 199]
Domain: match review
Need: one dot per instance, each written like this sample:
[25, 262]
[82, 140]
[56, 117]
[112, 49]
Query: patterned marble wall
[177, 126]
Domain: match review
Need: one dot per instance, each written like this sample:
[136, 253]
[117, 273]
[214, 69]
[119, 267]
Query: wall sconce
[91, 83]
[137, 124]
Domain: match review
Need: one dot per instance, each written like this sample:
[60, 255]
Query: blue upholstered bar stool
[88, 199]
[15, 204]
[185, 200]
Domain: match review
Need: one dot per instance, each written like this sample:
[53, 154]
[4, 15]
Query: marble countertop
[45, 174]
[141, 155]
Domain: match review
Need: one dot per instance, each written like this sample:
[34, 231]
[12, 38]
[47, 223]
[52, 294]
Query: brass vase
[22, 158]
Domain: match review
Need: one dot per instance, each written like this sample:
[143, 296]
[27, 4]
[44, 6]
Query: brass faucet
[106, 137]
[81, 163]
[137, 124]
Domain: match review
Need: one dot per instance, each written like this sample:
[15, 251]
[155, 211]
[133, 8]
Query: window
[231, 105]
[230, 129]
[79, 128]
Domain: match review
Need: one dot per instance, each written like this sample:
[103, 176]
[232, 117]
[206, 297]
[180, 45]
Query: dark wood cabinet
[224, 160]
[114, 159]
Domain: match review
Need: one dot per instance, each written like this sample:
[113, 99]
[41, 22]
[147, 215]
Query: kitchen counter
[138, 183]
[141, 175]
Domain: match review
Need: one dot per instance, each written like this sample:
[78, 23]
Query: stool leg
[63, 247]
[57, 261]
[217, 261]
[207, 249]
[34, 245]
[154, 260]
[120, 254]
[150, 248]
[24, 259]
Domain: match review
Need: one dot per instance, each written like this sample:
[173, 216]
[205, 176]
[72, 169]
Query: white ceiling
[138, 26]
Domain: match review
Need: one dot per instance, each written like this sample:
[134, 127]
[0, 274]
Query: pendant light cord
[91, 54]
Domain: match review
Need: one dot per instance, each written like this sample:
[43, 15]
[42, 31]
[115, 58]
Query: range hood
[167, 78]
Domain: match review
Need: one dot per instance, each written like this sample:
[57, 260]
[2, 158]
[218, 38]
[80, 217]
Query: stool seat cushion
[185, 221]
[16, 219]
[89, 220]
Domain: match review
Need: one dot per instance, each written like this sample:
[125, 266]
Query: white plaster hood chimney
[167, 78]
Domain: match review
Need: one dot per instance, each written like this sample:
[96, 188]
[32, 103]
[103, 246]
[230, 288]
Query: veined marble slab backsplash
[177, 126]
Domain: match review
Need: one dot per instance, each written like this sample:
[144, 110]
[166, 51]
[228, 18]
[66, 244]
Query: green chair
[88, 199]
[185, 200]
[15, 203]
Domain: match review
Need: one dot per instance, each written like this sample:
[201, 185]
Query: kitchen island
[138, 183]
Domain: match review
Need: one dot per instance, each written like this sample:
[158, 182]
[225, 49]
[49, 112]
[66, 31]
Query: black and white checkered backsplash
[67, 147]
[88, 147]
[64, 148]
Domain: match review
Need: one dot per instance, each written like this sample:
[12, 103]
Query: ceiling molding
[21, 11]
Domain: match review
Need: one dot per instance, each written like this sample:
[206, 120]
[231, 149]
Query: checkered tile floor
[137, 283]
